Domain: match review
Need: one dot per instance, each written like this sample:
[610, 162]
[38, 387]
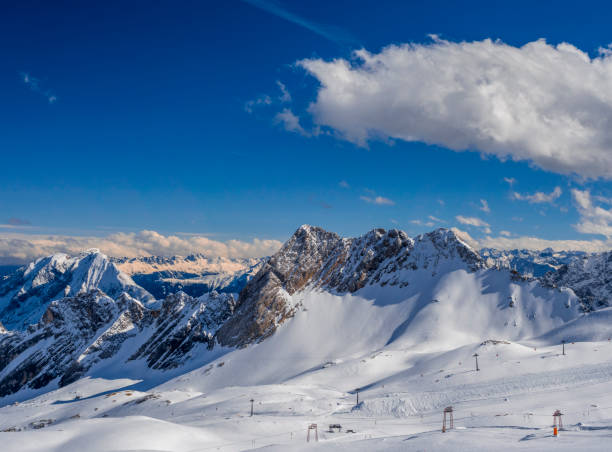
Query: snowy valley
[91, 359]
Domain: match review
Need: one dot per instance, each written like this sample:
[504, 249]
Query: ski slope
[410, 352]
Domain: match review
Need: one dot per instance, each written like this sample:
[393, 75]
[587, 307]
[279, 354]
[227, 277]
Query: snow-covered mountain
[339, 295]
[91, 333]
[530, 262]
[432, 276]
[400, 318]
[26, 293]
[589, 276]
[195, 274]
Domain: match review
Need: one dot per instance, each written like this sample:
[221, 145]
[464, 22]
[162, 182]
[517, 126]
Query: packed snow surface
[377, 334]
[307, 372]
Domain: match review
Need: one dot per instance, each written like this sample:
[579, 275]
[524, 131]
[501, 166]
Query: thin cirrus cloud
[539, 197]
[21, 248]
[35, 85]
[474, 221]
[549, 105]
[380, 200]
[329, 32]
[484, 206]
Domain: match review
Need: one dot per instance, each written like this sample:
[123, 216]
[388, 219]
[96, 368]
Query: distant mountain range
[152, 318]
[195, 275]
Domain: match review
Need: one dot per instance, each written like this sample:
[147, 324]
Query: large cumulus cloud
[546, 104]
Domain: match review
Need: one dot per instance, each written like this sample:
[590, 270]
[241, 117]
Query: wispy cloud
[329, 32]
[510, 181]
[539, 197]
[429, 224]
[250, 105]
[290, 122]
[14, 221]
[344, 184]
[380, 200]
[474, 221]
[35, 85]
[285, 94]
[484, 206]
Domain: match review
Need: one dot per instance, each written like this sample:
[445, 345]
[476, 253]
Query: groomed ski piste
[408, 364]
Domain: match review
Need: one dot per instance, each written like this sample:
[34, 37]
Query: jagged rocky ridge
[78, 333]
[320, 259]
[589, 276]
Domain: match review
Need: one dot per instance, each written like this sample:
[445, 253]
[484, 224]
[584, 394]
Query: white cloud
[285, 95]
[429, 224]
[250, 106]
[593, 219]
[290, 122]
[539, 197]
[380, 200]
[510, 181]
[436, 219]
[26, 247]
[534, 243]
[549, 105]
[505, 233]
[484, 206]
[472, 221]
[344, 184]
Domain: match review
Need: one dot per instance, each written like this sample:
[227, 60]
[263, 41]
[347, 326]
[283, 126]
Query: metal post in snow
[563, 343]
[476, 356]
[252, 407]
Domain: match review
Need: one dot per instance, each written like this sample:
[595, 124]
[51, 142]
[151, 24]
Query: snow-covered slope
[195, 274]
[26, 293]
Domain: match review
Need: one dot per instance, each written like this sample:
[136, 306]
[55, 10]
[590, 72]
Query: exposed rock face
[316, 258]
[183, 322]
[26, 293]
[589, 276]
[77, 333]
[262, 305]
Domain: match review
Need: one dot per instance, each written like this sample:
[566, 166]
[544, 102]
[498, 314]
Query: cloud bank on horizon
[548, 105]
[18, 248]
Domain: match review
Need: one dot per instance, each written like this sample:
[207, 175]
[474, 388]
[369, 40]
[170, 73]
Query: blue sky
[196, 119]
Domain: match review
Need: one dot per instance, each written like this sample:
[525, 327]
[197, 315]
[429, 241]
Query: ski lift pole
[475, 355]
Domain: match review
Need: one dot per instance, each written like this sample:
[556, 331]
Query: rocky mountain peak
[26, 294]
[314, 257]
